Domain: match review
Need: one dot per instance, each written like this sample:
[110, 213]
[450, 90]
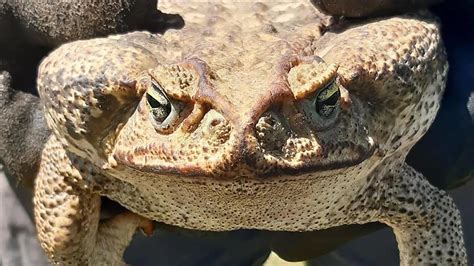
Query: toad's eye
[162, 109]
[159, 105]
[327, 99]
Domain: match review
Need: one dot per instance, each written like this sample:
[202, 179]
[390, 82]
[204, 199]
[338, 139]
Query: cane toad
[254, 115]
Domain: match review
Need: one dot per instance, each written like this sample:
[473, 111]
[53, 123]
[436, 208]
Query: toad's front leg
[425, 220]
[67, 216]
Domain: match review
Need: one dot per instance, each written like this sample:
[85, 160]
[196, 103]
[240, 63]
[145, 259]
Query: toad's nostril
[215, 128]
[268, 122]
[270, 132]
[215, 122]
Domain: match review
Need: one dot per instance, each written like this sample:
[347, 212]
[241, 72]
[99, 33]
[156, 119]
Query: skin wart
[285, 124]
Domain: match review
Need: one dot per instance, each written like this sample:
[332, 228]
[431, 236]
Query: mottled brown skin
[29, 31]
[246, 148]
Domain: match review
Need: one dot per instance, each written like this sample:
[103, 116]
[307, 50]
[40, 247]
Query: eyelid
[156, 89]
[306, 79]
[172, 87]
[329, 90]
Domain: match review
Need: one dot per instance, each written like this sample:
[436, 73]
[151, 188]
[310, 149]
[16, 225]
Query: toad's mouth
[246, 161]
[240, 197]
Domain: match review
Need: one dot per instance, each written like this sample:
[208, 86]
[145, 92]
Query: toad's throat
[220, 205]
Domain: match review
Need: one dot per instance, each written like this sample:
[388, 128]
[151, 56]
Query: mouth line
[247, 169]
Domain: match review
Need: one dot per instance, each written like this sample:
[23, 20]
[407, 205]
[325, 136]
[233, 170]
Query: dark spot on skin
[70, 127]
[396, 139]
[269, 28]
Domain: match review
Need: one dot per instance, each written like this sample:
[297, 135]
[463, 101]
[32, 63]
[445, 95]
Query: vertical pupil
[152, 101]
[327, 99]
[160, 107]
[332, 100]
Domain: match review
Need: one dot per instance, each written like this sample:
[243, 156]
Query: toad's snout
[267, 145]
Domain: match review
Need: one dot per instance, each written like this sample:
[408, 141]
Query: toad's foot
[67, 217]
[424, 219]
[115, 234]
